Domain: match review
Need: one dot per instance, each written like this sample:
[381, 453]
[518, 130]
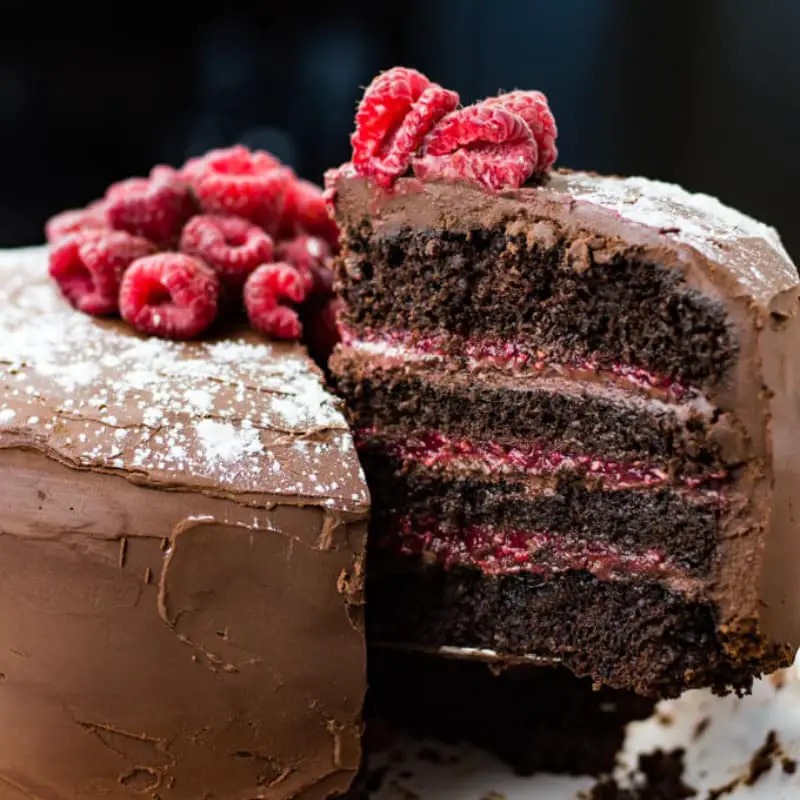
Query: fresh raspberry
[481, 144]
[245, 184]
[93, 217]
[267, 295]
[321, 331]
[232, 246]
[309, 255]
[398, 109]
[306, 211]
[171, 295]
[88, 267]
[535, 110]
[154, 207]
[238, 155]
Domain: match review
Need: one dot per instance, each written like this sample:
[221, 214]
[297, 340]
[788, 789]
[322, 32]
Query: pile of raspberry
[406, 123]
[232, 232]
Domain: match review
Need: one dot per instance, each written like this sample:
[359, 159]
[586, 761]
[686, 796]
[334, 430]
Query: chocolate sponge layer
[400, 399]
[487, 283]
[681, 526]
[637, 636]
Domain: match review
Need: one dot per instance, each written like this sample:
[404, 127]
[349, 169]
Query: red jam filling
[433, 449]
[516, 357]
[505, 551]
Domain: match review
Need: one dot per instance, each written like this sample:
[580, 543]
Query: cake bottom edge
[636, 636]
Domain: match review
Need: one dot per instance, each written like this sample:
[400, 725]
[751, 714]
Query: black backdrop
[703, 92]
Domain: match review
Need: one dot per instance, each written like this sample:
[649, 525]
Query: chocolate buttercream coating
[718, 252]
[181, 553]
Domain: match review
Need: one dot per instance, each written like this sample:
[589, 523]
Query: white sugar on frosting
[698, 220]
[223, 412]
[222, 441]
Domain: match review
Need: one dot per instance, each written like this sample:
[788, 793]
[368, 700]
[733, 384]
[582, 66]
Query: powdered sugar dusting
[222, 442]
[226, 414]
[698, 220]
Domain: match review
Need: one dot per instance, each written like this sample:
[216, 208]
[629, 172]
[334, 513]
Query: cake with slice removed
[575, 399]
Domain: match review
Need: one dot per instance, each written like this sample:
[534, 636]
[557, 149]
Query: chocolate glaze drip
[181, 555]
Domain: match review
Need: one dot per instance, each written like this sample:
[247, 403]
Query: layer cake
[182, 534]
[576, 405]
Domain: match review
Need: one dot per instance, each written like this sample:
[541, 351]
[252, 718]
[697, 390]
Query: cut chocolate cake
[575, 401]
[182, 528]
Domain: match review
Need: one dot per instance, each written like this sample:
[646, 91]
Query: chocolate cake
[182, 532]
[576, 403]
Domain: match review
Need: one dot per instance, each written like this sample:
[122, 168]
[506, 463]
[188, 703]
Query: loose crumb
[701, 727]
[761, 762]
[659, 777]
[728, 788]
[763, 759]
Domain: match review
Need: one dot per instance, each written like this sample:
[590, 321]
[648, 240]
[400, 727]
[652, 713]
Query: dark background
[701, 92]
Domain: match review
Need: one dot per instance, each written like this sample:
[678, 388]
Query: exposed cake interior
[483, 284]
[537, 407]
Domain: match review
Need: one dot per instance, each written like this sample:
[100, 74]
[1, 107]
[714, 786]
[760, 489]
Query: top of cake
[490, 163]
[748, 250]
[231, 415]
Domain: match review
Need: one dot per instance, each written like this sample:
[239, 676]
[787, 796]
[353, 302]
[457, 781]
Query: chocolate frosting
[719, 252]
[181, 556]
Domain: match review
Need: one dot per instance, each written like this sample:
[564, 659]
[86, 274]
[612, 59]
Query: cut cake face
[575, 403]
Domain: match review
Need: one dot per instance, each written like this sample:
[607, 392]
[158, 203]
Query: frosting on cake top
[698, 220]
[235, 414]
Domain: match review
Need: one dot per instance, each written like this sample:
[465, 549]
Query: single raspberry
[535, 110]
[237, 155]
[156, 207]
[480, 144]
[232, 246]
[88, 267]
[306, 211]
[93, 217]
[321, 331]
[308, 255]
[267, 295]
[245, 184]
[171, 295]
[398, 109]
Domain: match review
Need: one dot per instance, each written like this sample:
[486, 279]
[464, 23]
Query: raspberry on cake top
[574, 397]
[233, 230]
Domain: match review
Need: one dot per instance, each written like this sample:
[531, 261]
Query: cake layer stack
[575, 404]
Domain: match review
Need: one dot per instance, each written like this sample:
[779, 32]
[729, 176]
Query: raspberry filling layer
[497, 552]
[516, 357]
[433, 449]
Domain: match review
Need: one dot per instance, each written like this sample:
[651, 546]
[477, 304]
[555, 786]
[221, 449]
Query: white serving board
[736, 729]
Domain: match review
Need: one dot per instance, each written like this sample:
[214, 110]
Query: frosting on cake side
[181, 546]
